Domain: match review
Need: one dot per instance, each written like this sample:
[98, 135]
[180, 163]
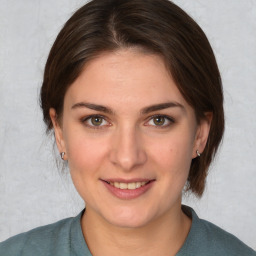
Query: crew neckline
[79, 244]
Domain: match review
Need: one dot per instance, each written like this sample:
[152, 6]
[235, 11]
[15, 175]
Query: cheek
[85, 159]
[85, 153]
[172, 155]
[173, 148]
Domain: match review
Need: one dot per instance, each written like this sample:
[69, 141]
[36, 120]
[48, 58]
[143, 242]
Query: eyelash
[169, 119]
[86, 119]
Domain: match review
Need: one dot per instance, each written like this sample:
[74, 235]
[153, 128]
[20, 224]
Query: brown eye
[159, 120]
[96, 121]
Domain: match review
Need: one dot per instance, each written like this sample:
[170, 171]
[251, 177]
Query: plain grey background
[34, 192]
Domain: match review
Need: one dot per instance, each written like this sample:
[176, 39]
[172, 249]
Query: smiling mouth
[130, 185]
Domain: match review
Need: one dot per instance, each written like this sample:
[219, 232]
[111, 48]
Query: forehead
[125, 77]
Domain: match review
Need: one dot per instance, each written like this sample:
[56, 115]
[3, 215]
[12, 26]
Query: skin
[130, 144]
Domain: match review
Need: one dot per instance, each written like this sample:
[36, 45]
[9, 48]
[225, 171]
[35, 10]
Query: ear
[202, 134]
[58, 132]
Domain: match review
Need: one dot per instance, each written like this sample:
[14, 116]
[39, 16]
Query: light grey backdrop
[33, 191]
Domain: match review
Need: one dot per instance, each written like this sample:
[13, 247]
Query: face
[129, 138]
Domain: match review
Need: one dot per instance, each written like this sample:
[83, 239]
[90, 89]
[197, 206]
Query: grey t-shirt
[65, 238]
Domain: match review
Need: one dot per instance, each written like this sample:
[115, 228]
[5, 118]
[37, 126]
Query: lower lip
[128, 193]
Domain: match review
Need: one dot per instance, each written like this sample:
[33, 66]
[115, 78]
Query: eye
[160, 121]
[95, 121]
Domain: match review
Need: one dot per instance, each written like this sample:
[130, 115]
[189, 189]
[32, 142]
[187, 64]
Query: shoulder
[43, 240]
[205, 238]
[223, 242]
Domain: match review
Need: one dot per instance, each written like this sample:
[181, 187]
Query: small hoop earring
[62, 155]
[198, 154]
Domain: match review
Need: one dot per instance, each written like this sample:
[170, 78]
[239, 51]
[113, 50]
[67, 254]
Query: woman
[133, 93]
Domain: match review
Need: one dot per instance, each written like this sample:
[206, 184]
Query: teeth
[123, 185]
[132, 185]
[116, 184]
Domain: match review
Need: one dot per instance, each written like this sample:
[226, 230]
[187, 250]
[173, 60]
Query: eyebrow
[161, 106]
[145, 110]
[93, 107]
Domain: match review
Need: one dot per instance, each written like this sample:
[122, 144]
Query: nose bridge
[127, 149]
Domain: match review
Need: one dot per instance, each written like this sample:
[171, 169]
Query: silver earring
[198, 154]
[62, 155]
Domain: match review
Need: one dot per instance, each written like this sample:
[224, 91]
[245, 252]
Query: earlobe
[57, 131]
[202, 134]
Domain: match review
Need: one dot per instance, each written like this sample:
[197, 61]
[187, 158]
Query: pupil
[96, 121]
[159, 120]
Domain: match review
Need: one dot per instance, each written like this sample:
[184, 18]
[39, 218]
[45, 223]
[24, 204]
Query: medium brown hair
[157, 26]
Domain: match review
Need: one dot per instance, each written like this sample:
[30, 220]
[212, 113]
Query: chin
[129, 218]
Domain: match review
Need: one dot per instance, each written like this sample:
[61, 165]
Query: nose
[127, 150]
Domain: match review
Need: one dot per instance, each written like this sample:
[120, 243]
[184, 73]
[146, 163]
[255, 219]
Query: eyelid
[169, 118]
[86, 118]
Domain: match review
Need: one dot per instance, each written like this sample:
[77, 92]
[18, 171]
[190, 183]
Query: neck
[163, 236]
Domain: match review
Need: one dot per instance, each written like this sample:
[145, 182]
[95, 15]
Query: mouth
[128, 185]
[128, 189]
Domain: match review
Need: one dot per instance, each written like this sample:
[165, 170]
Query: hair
[155, 26]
